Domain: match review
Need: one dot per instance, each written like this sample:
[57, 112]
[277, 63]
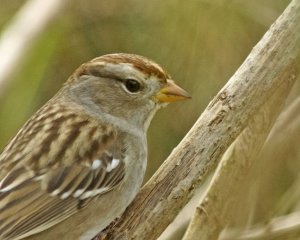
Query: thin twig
[281, 227]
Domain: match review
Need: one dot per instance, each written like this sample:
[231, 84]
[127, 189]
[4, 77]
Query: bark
[218, 205]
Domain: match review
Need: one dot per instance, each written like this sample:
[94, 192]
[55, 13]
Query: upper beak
[171, 93]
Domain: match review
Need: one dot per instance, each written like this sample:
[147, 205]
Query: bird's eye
[132, 85]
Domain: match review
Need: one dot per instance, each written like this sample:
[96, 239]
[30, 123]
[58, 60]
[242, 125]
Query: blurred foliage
[200, 42]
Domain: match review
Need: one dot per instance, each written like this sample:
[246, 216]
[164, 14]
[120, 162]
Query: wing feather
[32, 200]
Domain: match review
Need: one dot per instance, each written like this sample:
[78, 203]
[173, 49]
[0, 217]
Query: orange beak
[172, 93]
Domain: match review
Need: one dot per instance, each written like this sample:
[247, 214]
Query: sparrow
[79, 161]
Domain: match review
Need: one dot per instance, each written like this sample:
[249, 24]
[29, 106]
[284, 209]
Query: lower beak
[172, 93]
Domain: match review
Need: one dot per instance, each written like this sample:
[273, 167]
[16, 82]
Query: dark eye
[132, 85]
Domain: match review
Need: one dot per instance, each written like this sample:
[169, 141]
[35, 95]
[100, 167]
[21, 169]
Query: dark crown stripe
[141, 63]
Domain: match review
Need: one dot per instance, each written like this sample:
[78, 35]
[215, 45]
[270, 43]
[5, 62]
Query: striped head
[125, 86]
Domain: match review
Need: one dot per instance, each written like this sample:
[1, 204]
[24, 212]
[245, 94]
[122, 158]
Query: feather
[50, 184]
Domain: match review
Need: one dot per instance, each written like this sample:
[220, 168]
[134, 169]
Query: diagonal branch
[287, 226]
[218, 205]
[268, 66]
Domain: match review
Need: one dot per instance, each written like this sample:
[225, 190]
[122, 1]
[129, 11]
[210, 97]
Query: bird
[80, 160]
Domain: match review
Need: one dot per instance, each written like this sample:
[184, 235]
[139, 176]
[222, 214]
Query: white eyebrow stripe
[114, 163]
[96, 164]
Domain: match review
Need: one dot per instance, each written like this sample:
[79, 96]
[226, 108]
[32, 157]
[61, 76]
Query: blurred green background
[200, 42]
